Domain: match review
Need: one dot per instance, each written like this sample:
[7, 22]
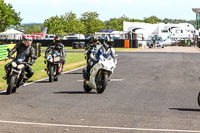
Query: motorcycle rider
[108, 46]
[92, 53]
[56, 46]
[23, 48]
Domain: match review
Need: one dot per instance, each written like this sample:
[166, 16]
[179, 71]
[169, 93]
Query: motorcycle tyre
[104, 84]
[10, 85]
[51, 74]
[86, 87]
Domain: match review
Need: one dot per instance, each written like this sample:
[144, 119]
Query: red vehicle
[38, 36]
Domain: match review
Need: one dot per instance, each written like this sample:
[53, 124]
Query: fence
[118, 43]
[4, 52]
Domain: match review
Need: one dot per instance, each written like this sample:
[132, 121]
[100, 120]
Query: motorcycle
[16, 73]
[54, 66]
[100, 74]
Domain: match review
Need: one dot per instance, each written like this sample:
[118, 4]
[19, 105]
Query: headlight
[14, 64]
[20, 66]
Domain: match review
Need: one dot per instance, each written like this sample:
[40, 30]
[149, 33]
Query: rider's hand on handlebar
[30, 63]
[9, 56]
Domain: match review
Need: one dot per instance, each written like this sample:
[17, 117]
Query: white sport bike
[100, 74]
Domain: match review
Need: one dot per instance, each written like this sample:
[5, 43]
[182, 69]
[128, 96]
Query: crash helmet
[56, 39]
[27, 39]
[110, 42]
[93, 39]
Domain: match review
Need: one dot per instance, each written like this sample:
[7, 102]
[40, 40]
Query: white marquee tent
[11, 34]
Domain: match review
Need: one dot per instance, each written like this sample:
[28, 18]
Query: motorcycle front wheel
[11, 85]
[51, 74]
[101, 87]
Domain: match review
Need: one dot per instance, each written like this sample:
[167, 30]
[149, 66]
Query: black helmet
[94, 39]
[109, 41]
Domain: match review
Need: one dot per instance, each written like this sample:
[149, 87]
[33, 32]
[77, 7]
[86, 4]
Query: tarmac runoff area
[173, 49]
[152, 92]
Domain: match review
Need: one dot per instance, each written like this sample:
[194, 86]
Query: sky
[36, 11]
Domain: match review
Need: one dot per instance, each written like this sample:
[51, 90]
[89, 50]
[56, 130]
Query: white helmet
[27, 39]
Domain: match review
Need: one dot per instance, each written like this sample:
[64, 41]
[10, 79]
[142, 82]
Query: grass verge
[73, 60]
[117, 49]
[66, 49]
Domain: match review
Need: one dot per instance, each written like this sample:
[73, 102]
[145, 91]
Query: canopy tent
[11, 34]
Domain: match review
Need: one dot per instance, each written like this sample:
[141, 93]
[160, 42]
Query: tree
[31, 28]
[91, 22]
[176, 21]
[65, 24]
[152, 20]
[116, 23]
[8, 16]
[54, 24]
[72, 25]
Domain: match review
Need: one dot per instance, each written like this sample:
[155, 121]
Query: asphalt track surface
[151, 92]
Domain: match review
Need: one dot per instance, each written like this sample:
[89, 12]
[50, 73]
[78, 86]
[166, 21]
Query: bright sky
[39, 10]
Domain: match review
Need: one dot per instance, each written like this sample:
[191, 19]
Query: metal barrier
[118, 43]
[4, 52]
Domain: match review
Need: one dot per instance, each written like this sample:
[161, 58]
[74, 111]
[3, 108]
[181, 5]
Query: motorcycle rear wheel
[86, 87]
[11, 85]
[14, 90]
[56, 78]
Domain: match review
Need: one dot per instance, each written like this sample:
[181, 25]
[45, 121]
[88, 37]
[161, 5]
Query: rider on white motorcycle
[108, 46]
[92, 53]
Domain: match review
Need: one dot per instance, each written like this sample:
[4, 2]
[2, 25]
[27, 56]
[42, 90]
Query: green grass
[73, 60]
[116, 49]
[66, 48]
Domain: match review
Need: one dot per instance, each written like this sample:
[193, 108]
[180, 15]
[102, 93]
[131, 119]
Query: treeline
[8, 16]
[88, 23]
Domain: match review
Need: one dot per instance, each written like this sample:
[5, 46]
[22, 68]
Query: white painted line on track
[110, 80]
[2, 91]
[48, 78]
[99, 127]
[80, 80]
[116, 79]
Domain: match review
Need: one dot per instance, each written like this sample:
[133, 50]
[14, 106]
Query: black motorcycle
[16, 73]
[54, 66]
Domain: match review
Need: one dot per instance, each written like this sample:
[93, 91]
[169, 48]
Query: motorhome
[166, 31]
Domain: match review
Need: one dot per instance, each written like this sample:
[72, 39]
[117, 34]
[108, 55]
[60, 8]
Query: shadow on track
[74, 92]
[186, 109]
[74, 73]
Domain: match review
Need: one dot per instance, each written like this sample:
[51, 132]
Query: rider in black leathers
[56, 46]
[23, 48]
